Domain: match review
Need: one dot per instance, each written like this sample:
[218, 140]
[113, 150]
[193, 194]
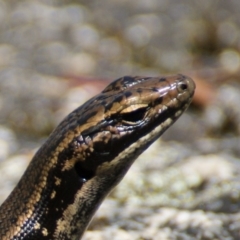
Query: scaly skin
[88, 154]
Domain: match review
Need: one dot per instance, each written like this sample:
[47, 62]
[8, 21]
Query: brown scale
[88, 154]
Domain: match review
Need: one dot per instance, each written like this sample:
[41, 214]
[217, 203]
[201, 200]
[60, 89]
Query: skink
[88, 154]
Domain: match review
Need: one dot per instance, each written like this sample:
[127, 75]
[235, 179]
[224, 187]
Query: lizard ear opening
[84, 174]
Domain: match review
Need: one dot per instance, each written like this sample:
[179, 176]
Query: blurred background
[54, 55]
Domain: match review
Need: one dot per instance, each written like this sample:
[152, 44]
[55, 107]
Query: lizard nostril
[183, 86]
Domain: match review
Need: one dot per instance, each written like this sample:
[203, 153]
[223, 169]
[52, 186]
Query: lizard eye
[134, 114]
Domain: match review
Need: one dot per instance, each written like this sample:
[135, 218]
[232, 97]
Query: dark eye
[134, 116]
